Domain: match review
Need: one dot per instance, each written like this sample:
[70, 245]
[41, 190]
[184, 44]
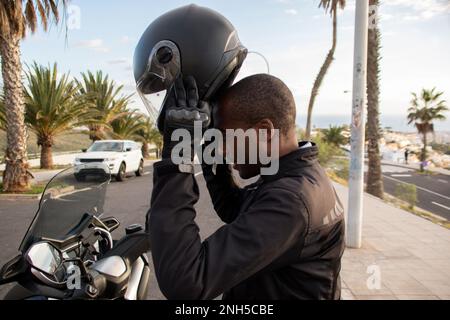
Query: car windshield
[106, 146]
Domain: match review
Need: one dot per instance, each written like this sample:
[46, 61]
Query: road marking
[420, 188]
[401, 175]
[440, 205]
[198, 173]
[443, 181]
[146, 173]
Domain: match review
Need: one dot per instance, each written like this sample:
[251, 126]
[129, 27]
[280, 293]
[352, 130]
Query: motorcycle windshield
[67, 199]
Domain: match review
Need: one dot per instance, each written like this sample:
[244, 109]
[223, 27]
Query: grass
[338, 170]
[416, 211]
[55, 167]
[427, 173]
[35, 189]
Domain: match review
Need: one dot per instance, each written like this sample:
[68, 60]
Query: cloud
[410, 17]
[94, 44]
[385, 16]
[127, 39]
[422, 9]
[119, 61]
[291, 12]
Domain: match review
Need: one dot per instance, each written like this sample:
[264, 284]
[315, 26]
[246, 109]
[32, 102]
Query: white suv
[121, 156]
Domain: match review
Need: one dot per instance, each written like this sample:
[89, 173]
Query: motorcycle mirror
[44, 257]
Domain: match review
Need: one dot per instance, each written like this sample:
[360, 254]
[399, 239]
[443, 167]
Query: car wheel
[140, 171]
[121, 175]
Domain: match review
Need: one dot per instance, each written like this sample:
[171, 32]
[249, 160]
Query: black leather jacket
[284, 236]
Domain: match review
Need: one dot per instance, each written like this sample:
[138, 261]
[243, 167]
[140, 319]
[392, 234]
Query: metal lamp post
[356, 179]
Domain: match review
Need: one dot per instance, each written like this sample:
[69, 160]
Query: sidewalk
[411, 255]
[46, 175]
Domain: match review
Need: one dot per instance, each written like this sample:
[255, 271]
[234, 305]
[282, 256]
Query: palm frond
[51, 104]
[18, 16]
[104, 102]
[425, 109]
[331, 6]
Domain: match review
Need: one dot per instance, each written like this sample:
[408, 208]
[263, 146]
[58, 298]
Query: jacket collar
[293, 163]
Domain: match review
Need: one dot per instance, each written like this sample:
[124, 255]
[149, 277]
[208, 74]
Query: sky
[293, 35]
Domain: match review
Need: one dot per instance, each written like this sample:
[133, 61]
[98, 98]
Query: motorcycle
[68, 251]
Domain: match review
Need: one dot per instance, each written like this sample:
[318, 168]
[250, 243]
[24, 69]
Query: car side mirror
[128, 150]
[84, 150]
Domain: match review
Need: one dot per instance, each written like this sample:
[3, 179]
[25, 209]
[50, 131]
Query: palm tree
[150, 134]
[2, 114]
[128, 126]
[374, 178]
[16, 18]
[145, 136]
[52, 107]
[425, 109]
[104, 104]
[332, 7]
[334, 136]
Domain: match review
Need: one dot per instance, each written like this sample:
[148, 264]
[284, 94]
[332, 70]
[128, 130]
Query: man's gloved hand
[183, 109]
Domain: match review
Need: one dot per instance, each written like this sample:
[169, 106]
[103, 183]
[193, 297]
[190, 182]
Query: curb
[12, 196]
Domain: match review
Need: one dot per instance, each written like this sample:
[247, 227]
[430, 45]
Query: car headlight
[77, 159]
[110, 159]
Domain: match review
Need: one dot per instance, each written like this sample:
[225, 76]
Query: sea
[393, 122]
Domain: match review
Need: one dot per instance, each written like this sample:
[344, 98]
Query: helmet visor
[153, 103]
[163, 67]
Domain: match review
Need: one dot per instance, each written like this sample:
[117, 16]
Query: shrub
[326, 150]
[408, 193]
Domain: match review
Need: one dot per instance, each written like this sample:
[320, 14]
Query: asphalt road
[128, 201]
[433, 191]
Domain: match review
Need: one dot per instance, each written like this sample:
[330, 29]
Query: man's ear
[265, 128]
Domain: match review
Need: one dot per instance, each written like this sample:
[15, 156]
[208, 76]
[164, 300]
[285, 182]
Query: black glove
[183, 108]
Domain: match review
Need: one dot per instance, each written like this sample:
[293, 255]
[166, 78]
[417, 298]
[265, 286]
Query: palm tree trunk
[158, 151]
[145, 150]
[46, 156]
[423, 155]
[94, 132]
[374, 176]
[15, 177]
[318, 82]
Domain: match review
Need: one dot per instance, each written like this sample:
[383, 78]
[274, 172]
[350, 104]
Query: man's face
[223, 121]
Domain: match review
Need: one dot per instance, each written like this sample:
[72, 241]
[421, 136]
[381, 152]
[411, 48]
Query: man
[284, 235]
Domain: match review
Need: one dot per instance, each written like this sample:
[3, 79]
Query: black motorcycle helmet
[190, 40]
